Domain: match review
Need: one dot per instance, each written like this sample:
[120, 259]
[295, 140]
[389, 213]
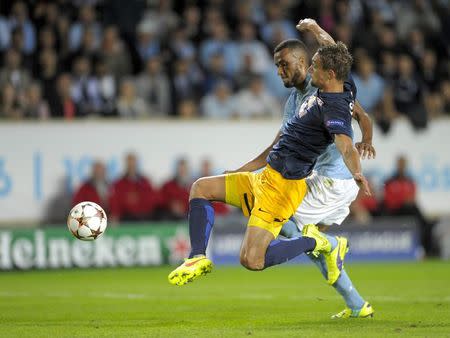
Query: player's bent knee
[252, 262]
[199, 189]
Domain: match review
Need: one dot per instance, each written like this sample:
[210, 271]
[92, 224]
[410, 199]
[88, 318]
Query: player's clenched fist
[306, 25]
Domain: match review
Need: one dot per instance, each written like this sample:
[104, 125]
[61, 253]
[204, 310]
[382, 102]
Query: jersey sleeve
[350, 86]
[337, 118]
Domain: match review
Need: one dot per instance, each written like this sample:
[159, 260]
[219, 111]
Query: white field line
[138, 296]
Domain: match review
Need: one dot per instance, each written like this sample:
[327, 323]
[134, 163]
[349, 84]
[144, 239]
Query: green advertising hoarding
[127, 245]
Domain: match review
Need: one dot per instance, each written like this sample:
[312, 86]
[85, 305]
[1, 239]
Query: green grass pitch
[410, 300]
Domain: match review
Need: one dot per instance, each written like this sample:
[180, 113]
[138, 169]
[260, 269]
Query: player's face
[291, 66]
[318, 75]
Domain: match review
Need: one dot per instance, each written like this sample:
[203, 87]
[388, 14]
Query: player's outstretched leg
[201, 220]
[357, 307]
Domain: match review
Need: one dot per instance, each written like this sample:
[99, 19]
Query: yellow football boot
[335, 260]
[191, 269]
[322, 243]
[366, 311]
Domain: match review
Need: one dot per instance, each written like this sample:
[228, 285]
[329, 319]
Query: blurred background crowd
[213, 58]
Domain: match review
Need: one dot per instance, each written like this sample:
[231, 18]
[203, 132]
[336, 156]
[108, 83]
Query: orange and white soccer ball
[87, 221]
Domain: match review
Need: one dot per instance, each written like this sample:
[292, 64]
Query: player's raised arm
[365, 147]
[310, 25]
[351, 159]
[259, 161]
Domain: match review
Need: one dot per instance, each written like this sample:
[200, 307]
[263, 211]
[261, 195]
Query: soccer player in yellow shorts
[272, 196]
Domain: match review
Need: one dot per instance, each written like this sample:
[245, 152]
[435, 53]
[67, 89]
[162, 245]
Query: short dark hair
[291, 44]
[336, 58]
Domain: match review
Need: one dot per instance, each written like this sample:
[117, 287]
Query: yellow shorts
[266, 197]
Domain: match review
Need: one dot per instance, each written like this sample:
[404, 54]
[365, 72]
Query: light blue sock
[332, 240]
[343, 285]
[346, 289]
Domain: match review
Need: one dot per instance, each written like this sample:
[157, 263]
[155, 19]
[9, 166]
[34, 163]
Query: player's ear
[331, 74]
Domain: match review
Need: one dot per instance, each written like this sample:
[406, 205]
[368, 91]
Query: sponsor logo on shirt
[333, 123]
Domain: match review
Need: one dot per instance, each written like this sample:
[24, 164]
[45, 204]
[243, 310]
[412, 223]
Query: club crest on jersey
[308, 104]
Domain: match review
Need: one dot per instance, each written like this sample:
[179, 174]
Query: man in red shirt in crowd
[400, 199]
[95, 189]
[133, 197]
[175, 192]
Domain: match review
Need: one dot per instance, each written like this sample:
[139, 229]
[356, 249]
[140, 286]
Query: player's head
[330, 64]
[292, 60]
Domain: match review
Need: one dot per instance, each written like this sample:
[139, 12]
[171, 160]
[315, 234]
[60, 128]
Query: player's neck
[302, 86]
[333, 87]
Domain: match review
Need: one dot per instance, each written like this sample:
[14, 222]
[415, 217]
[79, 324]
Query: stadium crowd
[160, 58]
[134, 197]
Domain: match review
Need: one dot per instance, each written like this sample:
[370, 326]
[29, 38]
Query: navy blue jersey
[308, 133]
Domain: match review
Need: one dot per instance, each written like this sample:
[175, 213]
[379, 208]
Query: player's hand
[363, 184]
[366, 150]
[306, 25]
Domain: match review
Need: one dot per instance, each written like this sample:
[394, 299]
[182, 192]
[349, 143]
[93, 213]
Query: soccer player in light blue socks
[357, 307]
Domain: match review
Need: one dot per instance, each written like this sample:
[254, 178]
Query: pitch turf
[410, 299]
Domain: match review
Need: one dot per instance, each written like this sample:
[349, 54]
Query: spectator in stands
[187, 109]
[107, 91]
[20, 19]
[256, 102]
[148, 44]
[62, 104]
[153, 86]
[85, 89]
[175, 192]
[400, 199]
[429, 70]
[249, 45]
[115, 54]
[88, 48]
[47, 72]
[95, 188]
[11, 106]
[408, 93]
[18, 44]
[220, 103]
[186, 85]
[369, 84]
[5, 33]
[86, 20]
[133, 197]
[13, 73]
[219, 42]
[180, 46]
[216, 72]
[129, 105]
[35, 106]
[191, 18]
[163, 17]
[276, 24]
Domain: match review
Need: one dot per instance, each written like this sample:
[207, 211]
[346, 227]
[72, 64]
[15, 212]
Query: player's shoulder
[330, 99]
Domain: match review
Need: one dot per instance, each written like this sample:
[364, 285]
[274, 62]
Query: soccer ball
[87, 221]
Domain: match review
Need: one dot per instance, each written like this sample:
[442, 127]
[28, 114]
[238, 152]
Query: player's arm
[365, 147]
[321, 36]
[351, 159]
[259, 161]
